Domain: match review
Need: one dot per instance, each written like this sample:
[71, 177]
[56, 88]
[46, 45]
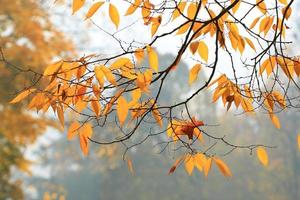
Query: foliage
[252, 35]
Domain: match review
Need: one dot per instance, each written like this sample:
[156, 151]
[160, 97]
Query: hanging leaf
[96, 106]
[60, 113]
[193, 75]
[153, 58]
[275, 120]
[261, 6]
[203, 51]
[179, 10]
[99, 75]
[262, 155]
[207, 166]
[122, 109]
[192, 10]
[109, 75]
[130, 166]
[77, 4]
[114, 15]
[22, 95]
[93, 9]
[189, 164]
[254, 22]
[53, 68]
[132, 8]
[85, 133]
[73, 130]
[194, 47]
[139, 54]
[222, 167]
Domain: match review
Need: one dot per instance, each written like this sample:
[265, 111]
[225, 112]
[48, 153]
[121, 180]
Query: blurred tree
[28, 41]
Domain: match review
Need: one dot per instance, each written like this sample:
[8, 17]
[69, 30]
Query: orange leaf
[130, 166]
[22, 95]
[93, 9]
[99, 75]
[203, 51]
[60, 114]
[53, 68]
[122, 109]
[77, 4]
[153, 58]
[84, 145]
[96, 106]
[114, 15]
[189, 164]
[207, 166]
[275, 120]
[132, 8]
[262, 155]
[223, 167]
[193, 75]
[180, 9]
[74, 127]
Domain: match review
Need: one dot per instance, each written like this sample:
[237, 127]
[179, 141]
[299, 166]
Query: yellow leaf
[22, 95]
[236, 7]
[275, 120]
[120, 63]
[261, 6]
[207, 166]
[77, 4]
[153, 58]
[203, 51]
[96, 106]
[262, 155]
[84, 145]
[192, 10]
[122, 109]
[180, 9]
[53, 68]
[139, 54]
[250, 43]
[155, 25]
[254, 22]
[109, 75]
[73, 129]
[283, 1]
[99, 75]
[84, 134]
[132, 8]
[136, 94]
[189, 164]
[93, 9]
[114, 15]
[60, 113]
[193, 75]
[184, 28]
[199, 161]
[222, 167]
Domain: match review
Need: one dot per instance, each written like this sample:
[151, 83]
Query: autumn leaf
[93, 9]
[222, 167]
[77, 4]
[122, 109]
[262, 155]
[96, 106]
[73, 130]
[203, 51]
[207, 166]
[130, 166]
[22, 95]
[114, 15]
[193, 75]
[189, 164]
[53, 68]
[153, 58]
[60, 113]
[132, 8]
[275, 120]
[85, 133]
[139, 54]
